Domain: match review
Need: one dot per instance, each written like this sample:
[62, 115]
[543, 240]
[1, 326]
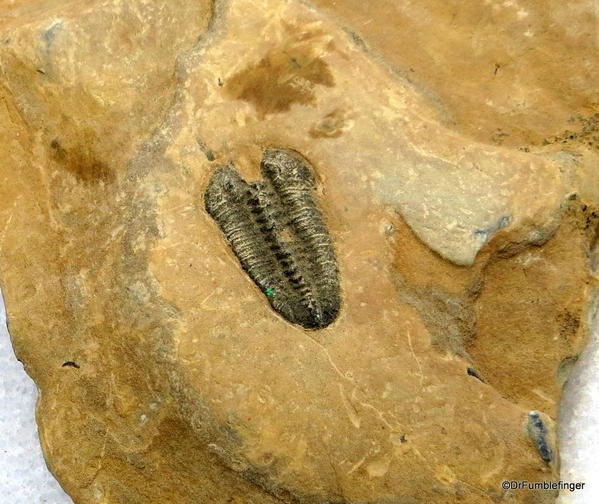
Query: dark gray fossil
[277, 231]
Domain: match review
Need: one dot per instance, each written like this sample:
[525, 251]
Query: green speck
[269, 292]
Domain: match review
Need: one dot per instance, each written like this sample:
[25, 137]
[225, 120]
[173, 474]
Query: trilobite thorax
[277, 231]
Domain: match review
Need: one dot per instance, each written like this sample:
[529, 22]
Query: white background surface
[24, 478]
[579, 424]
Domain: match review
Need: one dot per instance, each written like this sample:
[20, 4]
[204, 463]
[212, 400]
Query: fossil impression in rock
[277, 232]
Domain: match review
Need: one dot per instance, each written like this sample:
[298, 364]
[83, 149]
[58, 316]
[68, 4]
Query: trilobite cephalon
[276, 230]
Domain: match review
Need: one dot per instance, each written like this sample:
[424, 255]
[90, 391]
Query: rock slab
[465, 253]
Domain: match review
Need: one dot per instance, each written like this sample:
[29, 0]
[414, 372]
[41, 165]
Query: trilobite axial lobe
[277, 231]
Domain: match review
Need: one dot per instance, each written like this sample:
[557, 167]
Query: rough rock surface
[455, 152]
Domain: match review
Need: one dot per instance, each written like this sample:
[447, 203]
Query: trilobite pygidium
[276, 230]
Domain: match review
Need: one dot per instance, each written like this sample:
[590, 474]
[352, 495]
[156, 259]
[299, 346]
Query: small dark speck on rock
[355, 38]
[504, 221]
[472, 372]
[538, 432]
[70, 364]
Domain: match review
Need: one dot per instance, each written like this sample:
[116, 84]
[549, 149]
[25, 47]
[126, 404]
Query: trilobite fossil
[277, 231]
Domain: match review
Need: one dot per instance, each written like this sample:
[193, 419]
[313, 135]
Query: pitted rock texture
[465, 256]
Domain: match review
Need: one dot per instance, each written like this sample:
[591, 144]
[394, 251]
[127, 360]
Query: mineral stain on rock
[331, 125]
[283, 77]
[81, 162]
[277, 232]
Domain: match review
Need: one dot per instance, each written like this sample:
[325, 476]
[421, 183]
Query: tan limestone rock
[465, 262]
